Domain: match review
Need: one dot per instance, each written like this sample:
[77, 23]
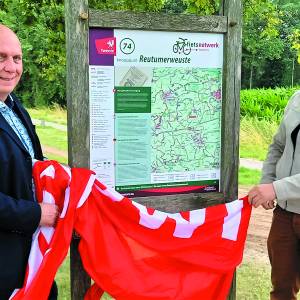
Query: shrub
[267, 104]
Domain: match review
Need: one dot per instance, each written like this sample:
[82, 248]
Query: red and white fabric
[132, 251]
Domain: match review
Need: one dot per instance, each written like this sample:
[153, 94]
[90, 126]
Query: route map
[186, 117]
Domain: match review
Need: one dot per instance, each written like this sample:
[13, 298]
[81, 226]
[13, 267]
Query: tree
[289, 33]
[261, 39]
[40, 27]
[132, 5]
[202, 7]
[295, 39]
[288, 4]
[175, 6]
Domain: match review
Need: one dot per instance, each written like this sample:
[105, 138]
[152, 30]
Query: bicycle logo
[182, 46]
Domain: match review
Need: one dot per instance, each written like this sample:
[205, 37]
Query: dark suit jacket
[19, 213]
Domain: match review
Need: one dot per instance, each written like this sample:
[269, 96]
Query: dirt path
[51, 150]
[256, 243]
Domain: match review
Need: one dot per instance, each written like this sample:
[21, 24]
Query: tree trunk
[293, 70]
[251, 77]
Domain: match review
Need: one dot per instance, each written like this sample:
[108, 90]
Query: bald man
[20, 214]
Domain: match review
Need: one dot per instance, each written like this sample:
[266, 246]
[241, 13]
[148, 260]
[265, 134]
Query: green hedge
[265, 104]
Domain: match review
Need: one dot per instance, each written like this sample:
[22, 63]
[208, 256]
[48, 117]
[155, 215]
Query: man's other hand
[49, 214]
[262, 194]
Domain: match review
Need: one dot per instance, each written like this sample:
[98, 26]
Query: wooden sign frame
[79, 18]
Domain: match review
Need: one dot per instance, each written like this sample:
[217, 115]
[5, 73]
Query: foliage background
[271, 40]
[40, 27]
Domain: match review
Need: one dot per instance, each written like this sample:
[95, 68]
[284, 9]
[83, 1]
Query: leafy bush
[267, 104]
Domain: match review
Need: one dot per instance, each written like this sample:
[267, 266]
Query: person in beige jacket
[280, 183]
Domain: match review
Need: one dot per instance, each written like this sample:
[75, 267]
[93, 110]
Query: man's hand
[262, 194]
[268, 205]
[49, 214]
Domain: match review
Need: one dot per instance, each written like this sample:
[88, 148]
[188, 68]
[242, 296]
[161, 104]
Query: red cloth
[133, 252]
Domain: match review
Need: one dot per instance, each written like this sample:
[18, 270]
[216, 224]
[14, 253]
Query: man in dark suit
[20, 214]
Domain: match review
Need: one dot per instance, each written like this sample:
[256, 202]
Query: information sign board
[155, 110]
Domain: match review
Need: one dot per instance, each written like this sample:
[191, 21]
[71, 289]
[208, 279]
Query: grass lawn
[248, 177]
[53, 137]
[255, 137]
[253, 282]
[63, 282]
[60, 159]
[54, 114]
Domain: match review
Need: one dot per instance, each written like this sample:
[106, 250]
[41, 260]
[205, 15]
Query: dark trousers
[284, 254]
[4, 295]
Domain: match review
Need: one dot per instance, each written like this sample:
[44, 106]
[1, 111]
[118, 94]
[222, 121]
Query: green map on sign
[186, 119]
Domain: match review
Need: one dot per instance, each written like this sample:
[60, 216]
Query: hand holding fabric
[262, 194]
[49, 214]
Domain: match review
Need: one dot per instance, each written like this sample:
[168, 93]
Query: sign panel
[155, 110]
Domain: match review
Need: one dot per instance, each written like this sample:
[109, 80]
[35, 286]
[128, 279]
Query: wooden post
[231, 99]
[231, 105]
[76, 19]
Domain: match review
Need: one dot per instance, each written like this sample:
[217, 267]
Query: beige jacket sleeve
[287, 188]
[274, 153]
